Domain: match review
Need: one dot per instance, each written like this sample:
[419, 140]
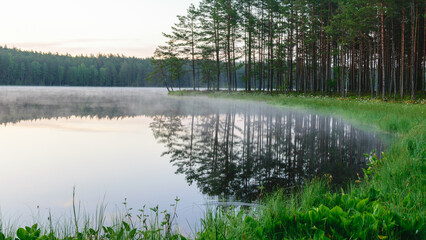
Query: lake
[146, 148]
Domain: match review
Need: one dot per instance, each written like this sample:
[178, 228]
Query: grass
[388, 203]
[145, 224]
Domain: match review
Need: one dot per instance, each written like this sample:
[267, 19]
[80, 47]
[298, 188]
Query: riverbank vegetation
[387, 203]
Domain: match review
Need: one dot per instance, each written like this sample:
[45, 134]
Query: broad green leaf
[324, 211]
[22, 234]
[126, 226]
[92, 231]
[337, 211]
[361, 205]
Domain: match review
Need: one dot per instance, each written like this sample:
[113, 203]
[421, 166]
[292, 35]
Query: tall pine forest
[357, 47]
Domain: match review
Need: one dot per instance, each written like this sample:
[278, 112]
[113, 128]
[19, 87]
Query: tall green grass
[145, 223]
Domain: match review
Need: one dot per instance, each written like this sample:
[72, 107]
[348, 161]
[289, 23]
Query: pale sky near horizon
[128, 27]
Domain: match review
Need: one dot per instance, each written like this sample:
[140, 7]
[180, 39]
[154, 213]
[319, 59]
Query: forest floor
[387, 203]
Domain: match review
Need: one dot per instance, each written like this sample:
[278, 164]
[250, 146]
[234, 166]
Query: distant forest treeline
[46, 69]
[372, 47]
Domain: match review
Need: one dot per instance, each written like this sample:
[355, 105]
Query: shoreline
[396, 178]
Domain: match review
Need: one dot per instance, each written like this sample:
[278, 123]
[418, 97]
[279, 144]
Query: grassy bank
[398, 117]
[387, 204]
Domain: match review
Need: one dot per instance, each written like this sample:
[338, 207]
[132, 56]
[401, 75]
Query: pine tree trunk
[217, 53]
[297, 58]
[371, 70]
[254, 70]
[290, 54]
[383, 52]
[234, 69]
[322, 72]
[393, 56]
[228, 46]
[346, 75]
[424, 51]
[290, 64]
[342, 81]
[193, 57]
[353, 76]
[271, 47]
[249, 48]
[360, 66]
[330, 10]
[302, 62]
[260, 63]
[402, 54]
[377, 55]
[245, 61]
[413, 48]
[314, 53]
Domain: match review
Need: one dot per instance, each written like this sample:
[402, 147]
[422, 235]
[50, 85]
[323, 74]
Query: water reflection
[233, 150]
[32, 103]
[227, 148]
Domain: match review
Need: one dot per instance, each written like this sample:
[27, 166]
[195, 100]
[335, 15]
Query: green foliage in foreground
[157, 225]
[124, 231]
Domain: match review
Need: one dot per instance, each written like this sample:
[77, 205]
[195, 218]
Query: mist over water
[147, 147]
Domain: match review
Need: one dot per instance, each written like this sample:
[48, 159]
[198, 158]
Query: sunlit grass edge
[394, 117]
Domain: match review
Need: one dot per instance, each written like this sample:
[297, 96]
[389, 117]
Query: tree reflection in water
[231, 151]
[226, 147]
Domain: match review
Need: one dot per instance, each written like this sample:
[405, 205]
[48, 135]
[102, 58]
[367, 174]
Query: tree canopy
[342, 46]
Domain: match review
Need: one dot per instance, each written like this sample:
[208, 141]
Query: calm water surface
[141, 145]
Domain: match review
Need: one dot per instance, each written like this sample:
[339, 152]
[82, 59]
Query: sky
[128, 27]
